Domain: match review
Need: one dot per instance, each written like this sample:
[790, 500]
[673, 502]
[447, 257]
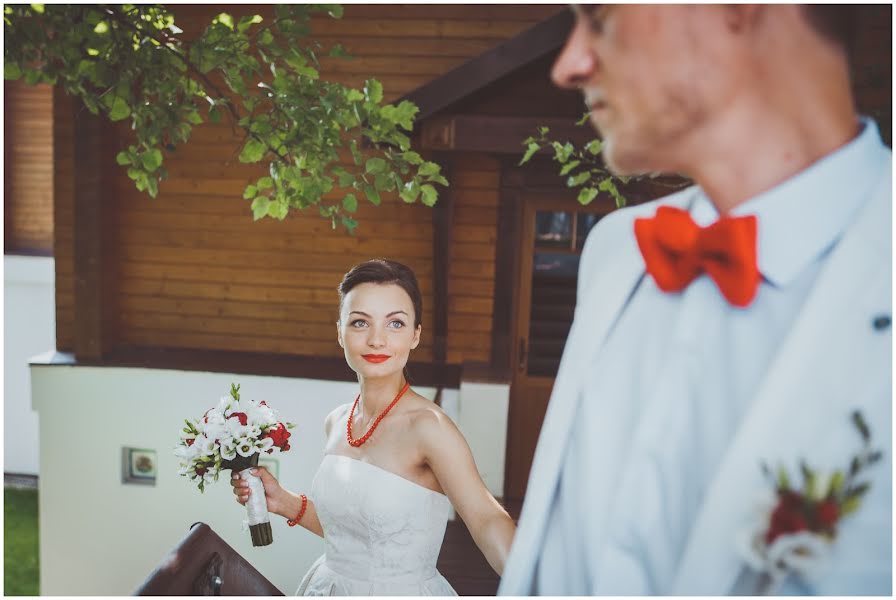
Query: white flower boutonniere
[796, 527]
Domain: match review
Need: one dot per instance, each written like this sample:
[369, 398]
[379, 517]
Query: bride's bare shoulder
[337, 414]
[428, 418]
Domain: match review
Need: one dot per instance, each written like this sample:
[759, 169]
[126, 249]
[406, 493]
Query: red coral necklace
[348, 427]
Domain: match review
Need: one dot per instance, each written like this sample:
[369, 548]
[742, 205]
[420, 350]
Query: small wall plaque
[139, 466]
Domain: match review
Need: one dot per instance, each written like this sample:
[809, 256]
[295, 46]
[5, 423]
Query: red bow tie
[676, 250]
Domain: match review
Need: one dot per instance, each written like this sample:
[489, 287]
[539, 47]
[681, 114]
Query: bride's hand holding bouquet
[232, 435]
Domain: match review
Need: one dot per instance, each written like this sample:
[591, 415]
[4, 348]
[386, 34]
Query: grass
[21, 576]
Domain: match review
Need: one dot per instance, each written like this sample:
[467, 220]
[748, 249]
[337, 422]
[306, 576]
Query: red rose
[190, 441]
[787, 517]
[241, 416]
[279, 435]
[828, 513]
[200, 471]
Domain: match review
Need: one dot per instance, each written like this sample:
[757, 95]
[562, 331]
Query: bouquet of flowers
[232, 435]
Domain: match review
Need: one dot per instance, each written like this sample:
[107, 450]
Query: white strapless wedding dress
[382, 533]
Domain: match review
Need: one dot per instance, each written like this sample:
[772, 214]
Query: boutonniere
[796, 526]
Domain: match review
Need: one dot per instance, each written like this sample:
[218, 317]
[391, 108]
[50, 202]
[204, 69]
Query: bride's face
[376, 329]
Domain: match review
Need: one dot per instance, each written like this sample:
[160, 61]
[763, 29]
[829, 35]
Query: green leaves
[118, 108]
[131, 63]
[253, 151]
[152, 159]
[582, 167]
[586, 195]
[531, 149]
[375, 165]
[224, 19]
[594, 147]
[373, 195]
[429, 194]
[246, 22]
[373, 91]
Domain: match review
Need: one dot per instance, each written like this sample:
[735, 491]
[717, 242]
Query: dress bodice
[382, 532]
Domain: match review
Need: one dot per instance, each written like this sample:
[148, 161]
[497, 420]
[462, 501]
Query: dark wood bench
[203, 564]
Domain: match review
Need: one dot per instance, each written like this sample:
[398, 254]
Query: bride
[394, 463]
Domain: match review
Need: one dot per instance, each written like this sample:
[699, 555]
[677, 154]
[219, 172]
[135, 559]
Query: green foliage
[582, 167]
[131, 61]
[21, 575]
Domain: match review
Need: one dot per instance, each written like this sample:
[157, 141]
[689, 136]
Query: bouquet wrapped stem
[257, 506]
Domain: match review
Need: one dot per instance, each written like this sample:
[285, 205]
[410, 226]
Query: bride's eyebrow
[391, 314]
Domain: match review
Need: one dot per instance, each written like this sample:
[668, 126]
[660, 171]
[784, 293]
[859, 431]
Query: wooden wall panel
[63, 219]
[28, 165]
[472, 271]
[192, 269]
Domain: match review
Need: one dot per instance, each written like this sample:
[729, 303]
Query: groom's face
[376, 329]
[651, 75]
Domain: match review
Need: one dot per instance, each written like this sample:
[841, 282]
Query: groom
[703, 345]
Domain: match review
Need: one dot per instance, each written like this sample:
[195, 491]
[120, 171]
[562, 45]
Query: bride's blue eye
[396, 324]
[358, 323]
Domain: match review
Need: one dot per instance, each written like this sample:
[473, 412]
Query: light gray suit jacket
[833, 361]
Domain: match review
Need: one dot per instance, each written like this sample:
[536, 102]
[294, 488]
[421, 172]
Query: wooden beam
[88, 233]
[507, 274]
[472, 76]
[443, 222]
[498, 135]
[251, 363]
[8, 134]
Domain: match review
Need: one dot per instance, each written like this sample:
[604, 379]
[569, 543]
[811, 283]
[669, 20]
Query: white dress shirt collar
[804, 216]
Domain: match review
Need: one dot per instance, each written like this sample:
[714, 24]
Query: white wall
[98, 536]
[29, 322]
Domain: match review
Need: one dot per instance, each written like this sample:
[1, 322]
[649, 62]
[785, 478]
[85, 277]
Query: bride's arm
[448, 455]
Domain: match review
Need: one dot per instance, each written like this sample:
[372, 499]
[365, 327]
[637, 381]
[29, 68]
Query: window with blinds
[559, 239]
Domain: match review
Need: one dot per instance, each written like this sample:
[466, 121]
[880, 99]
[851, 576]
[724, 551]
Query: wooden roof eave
[534, 43]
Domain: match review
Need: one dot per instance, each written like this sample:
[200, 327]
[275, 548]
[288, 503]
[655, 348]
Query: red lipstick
[375, 358]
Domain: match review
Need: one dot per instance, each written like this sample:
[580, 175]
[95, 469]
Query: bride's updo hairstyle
[382, 271]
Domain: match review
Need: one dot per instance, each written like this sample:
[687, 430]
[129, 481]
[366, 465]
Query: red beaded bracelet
[294, 522]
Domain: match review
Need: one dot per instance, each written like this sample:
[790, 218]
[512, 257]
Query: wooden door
[552, 234]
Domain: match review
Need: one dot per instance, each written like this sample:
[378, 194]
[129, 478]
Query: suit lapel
[605, 297]
[831, 362]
